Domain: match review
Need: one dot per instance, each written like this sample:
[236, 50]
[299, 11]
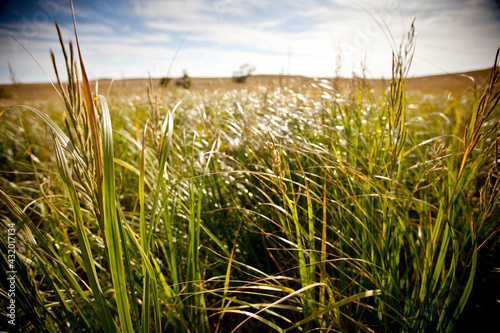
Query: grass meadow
[322, 208]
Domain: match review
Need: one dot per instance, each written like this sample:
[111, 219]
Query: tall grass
[266, 210]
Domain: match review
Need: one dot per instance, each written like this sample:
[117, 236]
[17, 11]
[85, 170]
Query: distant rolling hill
[454, 83]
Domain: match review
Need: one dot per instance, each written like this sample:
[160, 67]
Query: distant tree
[165, 81]
[5, 93]
[241, 75]
[184, 82]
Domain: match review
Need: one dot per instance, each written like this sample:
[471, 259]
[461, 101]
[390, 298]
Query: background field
[455, 83]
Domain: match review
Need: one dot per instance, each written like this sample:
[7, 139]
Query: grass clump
[268, 210]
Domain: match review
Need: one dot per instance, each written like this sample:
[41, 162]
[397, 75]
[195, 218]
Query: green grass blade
[335, 305]
[113, 227]
[102, 309]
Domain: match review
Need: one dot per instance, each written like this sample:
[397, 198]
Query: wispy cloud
[133, 37]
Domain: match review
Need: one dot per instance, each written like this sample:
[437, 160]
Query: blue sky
[131, 38]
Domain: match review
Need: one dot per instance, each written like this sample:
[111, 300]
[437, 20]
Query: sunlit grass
[268, 210]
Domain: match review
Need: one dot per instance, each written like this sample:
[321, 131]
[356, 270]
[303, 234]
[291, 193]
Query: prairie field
[285, 204]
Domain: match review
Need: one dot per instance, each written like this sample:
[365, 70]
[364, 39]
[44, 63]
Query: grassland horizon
[455, 83]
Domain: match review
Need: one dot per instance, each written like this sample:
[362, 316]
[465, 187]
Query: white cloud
[223, 34]
[191, 11]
